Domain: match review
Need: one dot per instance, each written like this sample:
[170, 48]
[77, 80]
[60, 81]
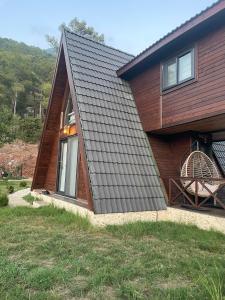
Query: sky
[129, 25]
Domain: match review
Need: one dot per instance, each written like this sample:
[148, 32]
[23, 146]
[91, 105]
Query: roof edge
[207, 13]
[94, 41]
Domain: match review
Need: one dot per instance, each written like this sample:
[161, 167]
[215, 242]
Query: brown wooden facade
[173, 117]
[169, 153]
[195, 100]
[46, 171]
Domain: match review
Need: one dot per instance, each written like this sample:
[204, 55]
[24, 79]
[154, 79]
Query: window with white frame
[178, 69]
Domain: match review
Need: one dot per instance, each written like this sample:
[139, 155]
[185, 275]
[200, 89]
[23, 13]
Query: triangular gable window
[69, 117]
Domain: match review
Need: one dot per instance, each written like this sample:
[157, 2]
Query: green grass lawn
[14, 183]
[47, 253]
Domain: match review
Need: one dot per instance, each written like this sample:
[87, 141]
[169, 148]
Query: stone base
[203, 221]
[37, 204]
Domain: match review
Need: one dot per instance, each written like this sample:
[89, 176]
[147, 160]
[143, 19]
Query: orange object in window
[73, 130]
[66, 130]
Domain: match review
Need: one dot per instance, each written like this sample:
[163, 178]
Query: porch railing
[194, 200]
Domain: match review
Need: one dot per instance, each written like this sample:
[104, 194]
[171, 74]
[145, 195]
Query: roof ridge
[176, 28]
[104, 45]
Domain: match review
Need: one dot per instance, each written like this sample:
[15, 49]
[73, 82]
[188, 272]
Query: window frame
[191, 50]
[61, 141]
[66, 118]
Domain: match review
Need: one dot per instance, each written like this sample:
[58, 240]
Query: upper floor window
[178, 69]
[69, 113]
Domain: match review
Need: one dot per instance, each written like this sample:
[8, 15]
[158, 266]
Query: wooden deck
[178, 191]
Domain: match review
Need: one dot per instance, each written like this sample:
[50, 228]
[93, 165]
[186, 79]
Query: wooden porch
[178, 194]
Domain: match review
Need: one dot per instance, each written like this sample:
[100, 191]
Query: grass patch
[29, 198]
[3, 200]
[6, 185]
[47, 253]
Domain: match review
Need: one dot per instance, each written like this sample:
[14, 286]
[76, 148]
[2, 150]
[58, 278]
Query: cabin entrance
[67, 166]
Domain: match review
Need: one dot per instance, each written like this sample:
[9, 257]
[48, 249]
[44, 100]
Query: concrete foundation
[202, 220]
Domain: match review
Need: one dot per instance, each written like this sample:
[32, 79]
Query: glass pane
[72, 166]
[185, 67]
[170, 73]
[62, 169]
[69, 113]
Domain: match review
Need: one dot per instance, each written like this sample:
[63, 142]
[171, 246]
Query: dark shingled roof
[122, 170]
[219, 151]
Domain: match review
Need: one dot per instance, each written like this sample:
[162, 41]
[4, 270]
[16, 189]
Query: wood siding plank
[200, 99]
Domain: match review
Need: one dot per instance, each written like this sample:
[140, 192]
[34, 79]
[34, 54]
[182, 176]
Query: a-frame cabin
[93, 151]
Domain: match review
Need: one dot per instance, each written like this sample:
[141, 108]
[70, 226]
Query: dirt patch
[19, 153]
[173, 284]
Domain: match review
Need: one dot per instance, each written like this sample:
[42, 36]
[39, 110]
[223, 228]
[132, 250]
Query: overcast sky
[130, 25]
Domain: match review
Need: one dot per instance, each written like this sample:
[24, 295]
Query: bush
[23, 183]
[8, 125]
[30, 129]
[4, 200]
[10, 189]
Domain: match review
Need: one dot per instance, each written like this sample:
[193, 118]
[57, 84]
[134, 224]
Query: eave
[207, 20]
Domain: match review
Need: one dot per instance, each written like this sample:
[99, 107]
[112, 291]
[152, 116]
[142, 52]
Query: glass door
[68, 167]
[62, 166]
[71, 174]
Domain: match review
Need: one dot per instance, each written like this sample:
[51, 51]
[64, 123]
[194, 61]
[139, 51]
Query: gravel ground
[16, 199]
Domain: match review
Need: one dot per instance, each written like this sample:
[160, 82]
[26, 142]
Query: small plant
[10, 189]
[3, 200]
[9, 175]
[23, 183]
[29, 198]
[213, 285]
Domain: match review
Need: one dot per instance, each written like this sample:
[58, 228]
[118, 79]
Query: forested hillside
[25, 83]
[25, 76]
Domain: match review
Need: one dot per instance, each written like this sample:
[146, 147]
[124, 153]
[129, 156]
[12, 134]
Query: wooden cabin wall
[205, 96]
[50, 128]
[81, 187]
[51, 175]
[169, 152]
[46, 170]
[201, 98]
[145, 88]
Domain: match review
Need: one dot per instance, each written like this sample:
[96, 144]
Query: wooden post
[170, 192]
[196, 193]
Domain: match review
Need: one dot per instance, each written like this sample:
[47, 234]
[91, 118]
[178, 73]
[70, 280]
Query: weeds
[47, 253]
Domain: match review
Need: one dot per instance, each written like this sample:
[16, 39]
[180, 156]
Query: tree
[77, 26]
[8, 125]
[46, 89]
[52, 41]
[25, 74]
[23, 70]
[30, 129]
[17, 88]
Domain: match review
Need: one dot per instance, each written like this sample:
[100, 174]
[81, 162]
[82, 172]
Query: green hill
[25, 76]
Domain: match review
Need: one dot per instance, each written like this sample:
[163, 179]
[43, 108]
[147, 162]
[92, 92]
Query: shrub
[10, 189]
[3, 200]
[30, 129]
[8, 175]
[23, 183]
[8, 125]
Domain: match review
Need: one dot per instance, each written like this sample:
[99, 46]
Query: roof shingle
[219, 151]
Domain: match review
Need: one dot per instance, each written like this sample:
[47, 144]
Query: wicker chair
[199, 165]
